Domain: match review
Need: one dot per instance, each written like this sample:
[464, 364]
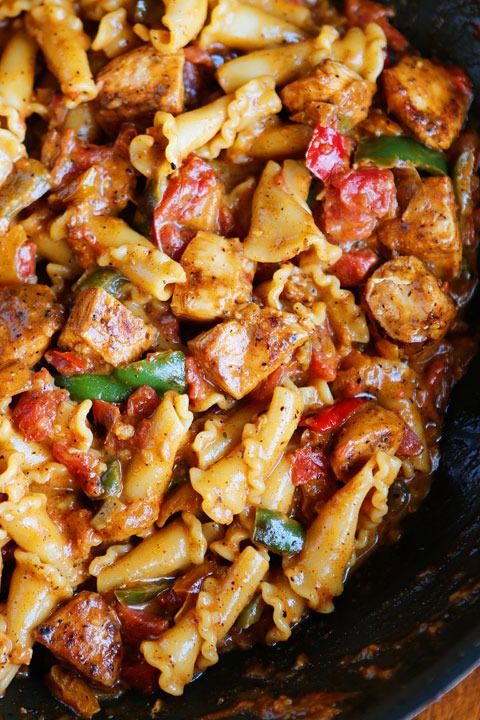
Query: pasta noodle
[114, 35]
[17, 71]
[183, 19]
[288, 607]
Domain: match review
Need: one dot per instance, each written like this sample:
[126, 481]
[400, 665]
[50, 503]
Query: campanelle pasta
[233, 277]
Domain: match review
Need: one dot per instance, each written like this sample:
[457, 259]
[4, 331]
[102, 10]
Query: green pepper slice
[163, 371]
[111, 479]
[143, 592]
[94, 387]
[105, 278]
[388, 152]
[277, 532]
[251, 613]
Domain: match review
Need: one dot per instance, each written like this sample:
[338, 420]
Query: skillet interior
[416, 605]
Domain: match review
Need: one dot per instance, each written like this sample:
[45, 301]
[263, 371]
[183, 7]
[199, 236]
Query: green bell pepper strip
[251, 613]
[143, 592]
[277, 532]
[94, 387]
[105, 278]
[163, 371]
[388, 152]
[111, 479]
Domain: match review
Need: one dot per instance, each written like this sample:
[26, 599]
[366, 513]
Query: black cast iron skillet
[410, 616]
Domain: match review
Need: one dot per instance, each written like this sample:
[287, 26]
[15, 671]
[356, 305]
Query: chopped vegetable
[327, 151]
[94, 387]
[67, 362]
[111, 479]
[27, 182]
[143, 592]
[388, 152]
[105, 278]
[353, 267]
[162, 372]
[334, 416]
[308, 465]
[251, 613]
[277, 532]
[360, 13]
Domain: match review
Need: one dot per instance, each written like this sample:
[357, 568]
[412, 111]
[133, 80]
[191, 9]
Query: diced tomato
[308, 466]
[169, 327]
[68, 362]
[198, 386]
[328, 150]
[105, 413]
[325, 359]
[141, 403]
[192, 193]
[35, 412]
[332, 417]
[361, 12]
[25, 260]
[197, 55]
[411, 444]
[355, 200]
[191, 582]
[138, 674]
[139, 625]
[353, 267]
[264, 390]
[83, 466]
[461, 80]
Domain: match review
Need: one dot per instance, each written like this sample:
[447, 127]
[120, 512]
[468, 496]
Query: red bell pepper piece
[353, 267]
[333, 416]
[362, 12]
[308, 465]
[327, 151]
[411, 444]
[68, 362]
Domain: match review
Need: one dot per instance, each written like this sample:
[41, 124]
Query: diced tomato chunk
[198, 386]
[83, 466]
[308, 465]
[332, 417]
[105, 413]
[353, 267]
[25, 260]
[138, 674]
[411, 444]
[355, 200]
[185, 204]
[264, 390]
[325, 359]
[139, 625]
[35, 412]
[328, 150]
[361, 12]
[198, 55]
[141, 403]
[68, 362]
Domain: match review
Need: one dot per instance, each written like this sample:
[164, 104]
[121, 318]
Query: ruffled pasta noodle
[247, 27]
[318, 572]
[168, 551]
[279, 488]
[36, 588]
[135, 257]
[13, 481]
[96, 9]
[231, 482]
[194, 637]
[59, 32]
[12, 8]
[183, 21]
[299, 15]
[282, 224]
[220, 434]
[362, 50]
[228, 547]
[114, 35]
[17, 73]
[288, 607]
[114, 552]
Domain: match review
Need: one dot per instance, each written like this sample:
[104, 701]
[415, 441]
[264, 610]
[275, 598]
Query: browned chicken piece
[407, 302]
[72, 691]
[29, 316]
[371, 428]
[15, 377]
[333, 83]
[377, 124]
[85, 633]
[428, 229]
[133, 86]
[219, 278]
[428, 99]
[238, 354]
[103, 329]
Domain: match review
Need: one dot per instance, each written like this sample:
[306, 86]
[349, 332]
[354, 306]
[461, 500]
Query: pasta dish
[237, 240]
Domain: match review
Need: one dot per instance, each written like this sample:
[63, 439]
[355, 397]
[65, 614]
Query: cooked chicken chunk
[29, 316]
[103, 329]
[371, 428]
[330, 83]
[240, 353]
[72, 691]
[406, 300]
[429, 99]
[133, 86]
[219, 278]
[428, 229]
[86, 633]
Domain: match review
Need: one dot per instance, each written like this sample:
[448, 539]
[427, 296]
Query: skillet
[408, 624]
